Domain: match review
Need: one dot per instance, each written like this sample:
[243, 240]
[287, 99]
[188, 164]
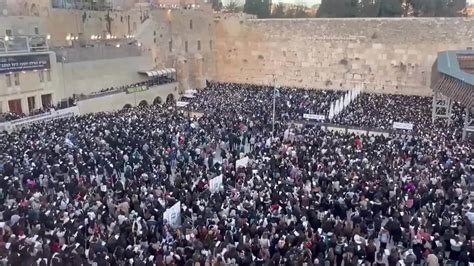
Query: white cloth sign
[173, 215]
[399, 125]
[242, 162]
[313, 116]
[181, 103]
[215, 184]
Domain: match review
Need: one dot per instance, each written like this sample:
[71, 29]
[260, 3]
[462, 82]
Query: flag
[331, 111]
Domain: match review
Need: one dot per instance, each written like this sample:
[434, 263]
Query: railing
[53, 115]
[82, 5]
[23, 44]
[102, 52]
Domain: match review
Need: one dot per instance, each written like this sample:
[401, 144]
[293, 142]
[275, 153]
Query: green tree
[261, 8]
[216, 5]
[338, 8]
[278, 11]
[233, 7]
[390, 8]
[368, 8]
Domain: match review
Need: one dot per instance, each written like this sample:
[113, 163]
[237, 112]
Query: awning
[158, 72]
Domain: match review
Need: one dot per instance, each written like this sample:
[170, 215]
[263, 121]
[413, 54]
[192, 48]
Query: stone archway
[170, 99]
[157, 100]
[127, 106]
[143, 103]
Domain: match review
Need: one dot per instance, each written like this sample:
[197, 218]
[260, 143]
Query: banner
[336, 108]
[17, 63]
[331, 111]
[313, 116]
[399, 125]
[357, 132]
[181, 103]
[173, 215]
[215, 184]
[53, 115]
[242, 162]
[137, 89]
[341, 105]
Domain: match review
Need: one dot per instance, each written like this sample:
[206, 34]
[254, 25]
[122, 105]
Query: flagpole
[274, 97]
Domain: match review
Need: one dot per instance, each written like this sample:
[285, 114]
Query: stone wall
[383, 55]
[91, 76]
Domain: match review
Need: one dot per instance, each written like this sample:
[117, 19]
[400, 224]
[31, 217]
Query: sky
[305, 2]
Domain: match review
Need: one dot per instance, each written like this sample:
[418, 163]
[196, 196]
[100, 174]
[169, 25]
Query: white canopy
[158, 72]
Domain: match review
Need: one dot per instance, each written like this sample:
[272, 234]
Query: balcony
[23, 44]
[98, 52]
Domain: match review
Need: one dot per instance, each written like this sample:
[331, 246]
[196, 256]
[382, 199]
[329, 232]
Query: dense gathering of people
[93, 189]
[155, 81]
[380, 111]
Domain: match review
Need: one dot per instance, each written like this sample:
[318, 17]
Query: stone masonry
[389, 55]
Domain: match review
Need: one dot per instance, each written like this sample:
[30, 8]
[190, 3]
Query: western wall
[389, 55]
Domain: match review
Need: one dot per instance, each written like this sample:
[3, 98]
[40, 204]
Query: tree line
[350, 8]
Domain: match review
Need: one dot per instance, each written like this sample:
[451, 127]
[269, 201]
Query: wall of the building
[91, 76]
[383, 55]
[173, 28]
[118, 101]
[20, 25]
[30, 86]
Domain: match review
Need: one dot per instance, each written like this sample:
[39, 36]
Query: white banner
[173, 215]
[336, 108]
[53, 115]
[215, 184]
[242, 162]
[341, 105]
[313, 116]
[336, 129]
[189, 96]
[331, 111]
[358, 132]
[399, 125]
[181, 103]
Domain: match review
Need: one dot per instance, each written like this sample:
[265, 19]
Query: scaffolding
[442, 107]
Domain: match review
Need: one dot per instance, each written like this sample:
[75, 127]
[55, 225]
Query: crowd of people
[11, 116]
[112, 90]
[93, 189]
[256, 101]
[380, 111]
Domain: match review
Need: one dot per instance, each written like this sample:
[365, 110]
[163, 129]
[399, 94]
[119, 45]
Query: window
[210, 45]
[48, 75]
[31, 103]
[41, 76]
[8, 78]
[154, 33]
[191, 24]
[46, 100]
[8, 32]
[170, 46]
[199, 45]
[186, 46]
[15, 106]
[154, 40]
[16, 77]
[36, 31]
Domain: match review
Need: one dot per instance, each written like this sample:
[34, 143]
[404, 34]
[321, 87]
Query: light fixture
[68, 37]
[118, 45]
[7, 38]
[139, 44]
[93, 37]
[108, 36]
[48, 37]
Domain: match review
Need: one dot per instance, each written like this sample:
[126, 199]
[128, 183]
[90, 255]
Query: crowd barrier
[26, 121]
